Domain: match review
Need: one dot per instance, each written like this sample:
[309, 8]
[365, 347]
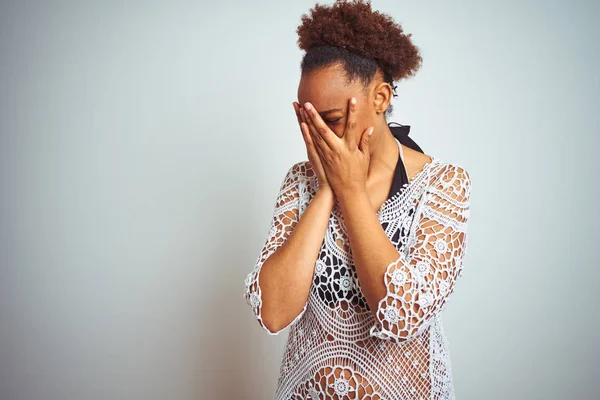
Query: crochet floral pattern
[337, 347]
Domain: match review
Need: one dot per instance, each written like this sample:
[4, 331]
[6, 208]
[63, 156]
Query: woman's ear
[382, 97]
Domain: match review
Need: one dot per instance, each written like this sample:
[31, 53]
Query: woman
[368, 235]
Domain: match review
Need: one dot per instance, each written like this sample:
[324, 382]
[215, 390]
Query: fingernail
[353, 100]
[371, 131]
[307, 106]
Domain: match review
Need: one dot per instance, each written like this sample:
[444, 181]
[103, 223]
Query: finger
[310, 126]
[323, 135]
[310, 129]
[364, 140]
[309, 138]
[319, 152]
[350, 130]
[304, 128]
[310, 147]
[297, 110]
[304, 124]
[302, 116]
[316, 140]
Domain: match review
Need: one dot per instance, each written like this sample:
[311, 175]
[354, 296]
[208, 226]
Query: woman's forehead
[326, 89]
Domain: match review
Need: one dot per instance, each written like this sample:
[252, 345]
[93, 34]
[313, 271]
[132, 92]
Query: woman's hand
[345, 160]
[311, 151]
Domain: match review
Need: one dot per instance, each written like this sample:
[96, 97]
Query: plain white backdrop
[142, 147]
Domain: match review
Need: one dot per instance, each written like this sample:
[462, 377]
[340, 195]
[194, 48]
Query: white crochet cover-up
[339, 350]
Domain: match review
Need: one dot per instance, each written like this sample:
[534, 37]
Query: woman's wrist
[327, 193]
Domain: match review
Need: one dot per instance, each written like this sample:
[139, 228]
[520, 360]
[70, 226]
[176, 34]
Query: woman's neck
[384, 153]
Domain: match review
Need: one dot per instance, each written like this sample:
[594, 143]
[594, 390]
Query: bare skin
[329, 89]
[354, 168]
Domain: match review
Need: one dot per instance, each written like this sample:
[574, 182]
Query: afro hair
[361, 39]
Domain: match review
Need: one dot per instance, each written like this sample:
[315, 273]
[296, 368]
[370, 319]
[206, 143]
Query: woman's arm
[405, 293]
[278, 287]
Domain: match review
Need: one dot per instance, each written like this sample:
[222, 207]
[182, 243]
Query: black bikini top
[400, 132]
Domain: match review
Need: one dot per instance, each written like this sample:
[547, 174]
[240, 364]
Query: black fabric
[400, 132]
[330, 291]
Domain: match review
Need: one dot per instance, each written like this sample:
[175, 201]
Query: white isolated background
[142, 147]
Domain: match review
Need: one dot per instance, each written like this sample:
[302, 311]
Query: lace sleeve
[285, 217]
[419, 284]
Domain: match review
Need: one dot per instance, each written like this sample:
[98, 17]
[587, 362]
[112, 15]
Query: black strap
[400, 132]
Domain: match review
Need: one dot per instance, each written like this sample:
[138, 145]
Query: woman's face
[329, 92]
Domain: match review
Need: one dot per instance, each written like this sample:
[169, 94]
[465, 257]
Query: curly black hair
[362, 40]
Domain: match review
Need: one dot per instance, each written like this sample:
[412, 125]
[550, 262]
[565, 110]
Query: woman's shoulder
[415, 162]
[301, 176]
[447, 169]
[449, 176]
[301, 171]
[296, 171]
